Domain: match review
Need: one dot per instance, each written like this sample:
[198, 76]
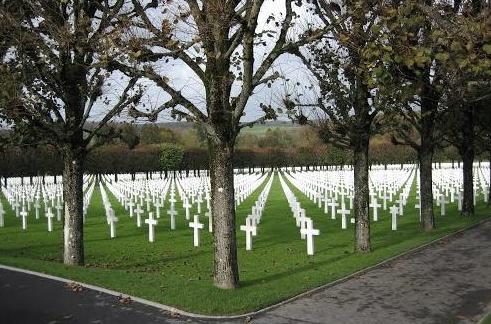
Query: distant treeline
[145, 158]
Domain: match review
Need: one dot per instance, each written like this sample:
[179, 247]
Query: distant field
[261, 129]
[256, 129]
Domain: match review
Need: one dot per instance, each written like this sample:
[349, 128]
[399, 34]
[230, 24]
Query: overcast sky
[184, 79]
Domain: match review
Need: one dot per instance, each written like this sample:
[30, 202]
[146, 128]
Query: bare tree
[56, 53]
[218, 42]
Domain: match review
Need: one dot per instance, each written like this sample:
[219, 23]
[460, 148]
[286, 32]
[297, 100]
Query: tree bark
[429, 104]
[225, 271]
[468, 183]
[467, 152]
[361, 194]
[425, 156]
[73, 197]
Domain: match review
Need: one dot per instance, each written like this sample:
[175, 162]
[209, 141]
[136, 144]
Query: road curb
[180, 312]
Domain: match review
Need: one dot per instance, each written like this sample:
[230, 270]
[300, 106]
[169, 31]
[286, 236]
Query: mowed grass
[173, 272]
[486, 319]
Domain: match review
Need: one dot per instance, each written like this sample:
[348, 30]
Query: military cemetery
[248, 161]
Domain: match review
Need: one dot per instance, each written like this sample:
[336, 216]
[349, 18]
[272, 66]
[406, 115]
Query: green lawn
[486, 319]
[173, 272]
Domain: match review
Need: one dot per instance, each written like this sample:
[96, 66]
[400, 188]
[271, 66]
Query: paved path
[449, 282]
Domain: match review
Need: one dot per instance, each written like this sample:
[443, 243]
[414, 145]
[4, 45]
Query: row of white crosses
[305, 223]
[192, 191]
[150, 195]
[448, 185]
[22, 198]
[332, 187]
[397, 209]
[109, 211]
[140, 194]
[252, 220]
[483, 174]
[198, 187]
[317, 187]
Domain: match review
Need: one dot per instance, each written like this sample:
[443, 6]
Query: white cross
[309, 231]
[24, 214]
[401, 211]
[303, 219]
[418, 206]
[333, 204]
[36, 207]
[130, 205]
[138, 212]
[157, 208]
[318, 197]
[375, 205]
[186, 206]
[16, 205]
[437, 197]
[199, 201]
[151, 227]
[196, 226]
[2, 213]
[172, 213]
[147, 200]
[59, 207]
[326, 204]
[112, 219]
[460, 199]
[250, 229]
[300, 216]
[344, 214]
[442, 205]
[210, 221]
[394, 210]
[50, 216]
[385, 197]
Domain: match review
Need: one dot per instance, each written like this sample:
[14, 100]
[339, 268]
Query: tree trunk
[360, 202]
[468, 183]
[467, 152]
[426, 189]
[73, 196]
[225, 272]
[429, 104]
